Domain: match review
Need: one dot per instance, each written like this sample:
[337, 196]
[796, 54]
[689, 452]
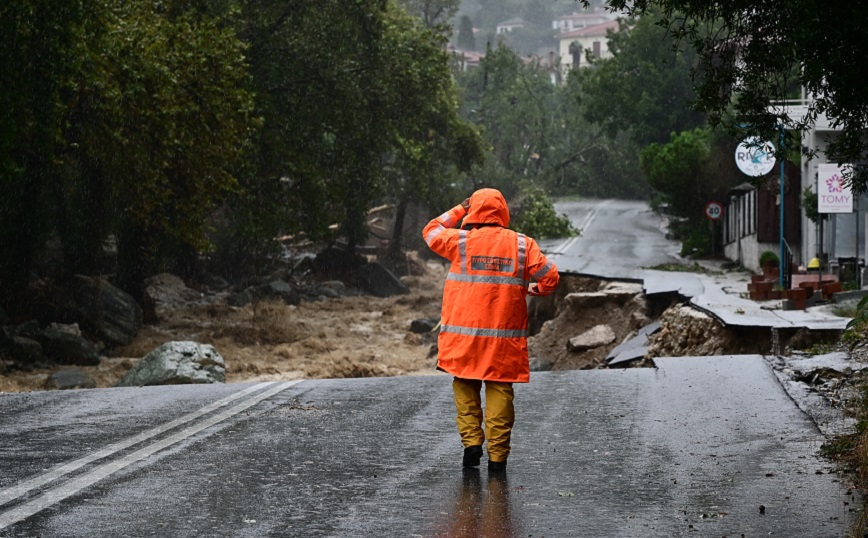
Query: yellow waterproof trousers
[499, 415]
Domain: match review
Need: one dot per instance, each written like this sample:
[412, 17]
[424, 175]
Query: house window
[596, 49]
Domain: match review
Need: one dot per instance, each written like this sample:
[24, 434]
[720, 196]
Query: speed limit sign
[713, 210]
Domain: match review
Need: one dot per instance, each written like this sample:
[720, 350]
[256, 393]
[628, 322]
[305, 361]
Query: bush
[769, 257]
[695, 240]
[696, 243]
[536, 216]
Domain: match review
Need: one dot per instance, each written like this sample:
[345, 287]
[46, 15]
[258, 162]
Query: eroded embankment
[587, 318]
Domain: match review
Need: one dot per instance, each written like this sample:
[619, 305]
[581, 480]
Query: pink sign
[833, 195]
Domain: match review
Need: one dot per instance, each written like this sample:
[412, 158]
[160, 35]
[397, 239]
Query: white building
[749, 223]
[577, 21]
[510, 25]
[840, 235]
[574, 45]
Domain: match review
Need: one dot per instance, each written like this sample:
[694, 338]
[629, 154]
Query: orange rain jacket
[483, 332]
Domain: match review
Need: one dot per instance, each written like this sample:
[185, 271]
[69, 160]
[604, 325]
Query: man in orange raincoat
[484, 324]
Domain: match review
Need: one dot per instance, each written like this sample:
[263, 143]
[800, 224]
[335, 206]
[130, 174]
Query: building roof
[580, 16]
[591, 31]
[513, 22]
[470, 55]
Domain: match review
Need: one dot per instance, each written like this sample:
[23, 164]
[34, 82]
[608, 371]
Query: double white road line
[566, 245]
[70, 487]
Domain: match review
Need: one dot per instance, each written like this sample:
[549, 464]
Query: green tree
[36, 61]
[512, 103]
[645, 88]
[675, 169]
[587, 160]
[465, 40]
[429, 139]
[535, 216]
[692, 169]
[756, 53]
[128, 120]
[316, 69]
[160, 114]
[355, 99]
[434, 13]
[538, 133]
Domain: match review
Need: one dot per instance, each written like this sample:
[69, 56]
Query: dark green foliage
[127, 116]
[810, 203]
[465, 40]
[759, 52]
[768, 257]
[695, 237]
[359, 107]
[536, 217]
[432, 13]
[856, 332]
[537, 133]
[861, 316]
[676, 169]
[137, 121]
[36, 61]
[645, 89]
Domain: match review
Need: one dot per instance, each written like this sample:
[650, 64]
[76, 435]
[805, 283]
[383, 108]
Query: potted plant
[770, 263]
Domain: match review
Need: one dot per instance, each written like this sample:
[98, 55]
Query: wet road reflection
[478, 511]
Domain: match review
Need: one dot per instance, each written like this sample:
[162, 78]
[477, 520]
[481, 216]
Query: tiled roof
[580, 16]
[513, 22]
[595, 30]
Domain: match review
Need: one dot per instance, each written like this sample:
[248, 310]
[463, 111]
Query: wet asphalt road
[707, 446]
[620, 238]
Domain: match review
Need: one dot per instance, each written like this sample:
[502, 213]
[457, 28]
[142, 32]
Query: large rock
[423, 325]
[379, 281]
[104, 310]
[26, 350]
[166, 292]
[28, 329]
[279, 289]
[337, 263]
[599, 335]
[241, 298]
[7, 333]
[175, 363]
[65, 347]
[621, 292]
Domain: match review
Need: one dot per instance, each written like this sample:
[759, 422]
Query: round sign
[755, 157]
[713, 210]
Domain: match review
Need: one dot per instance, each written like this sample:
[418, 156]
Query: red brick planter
[798, 297]
[831, 288]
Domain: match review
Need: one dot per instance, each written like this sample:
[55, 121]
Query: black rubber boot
[496, 467]
[472, 455]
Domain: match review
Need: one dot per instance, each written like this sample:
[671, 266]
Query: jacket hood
[487, 206]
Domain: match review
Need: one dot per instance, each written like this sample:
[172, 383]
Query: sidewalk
[723, 295]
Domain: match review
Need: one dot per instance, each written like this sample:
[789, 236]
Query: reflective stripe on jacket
[484, 324]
